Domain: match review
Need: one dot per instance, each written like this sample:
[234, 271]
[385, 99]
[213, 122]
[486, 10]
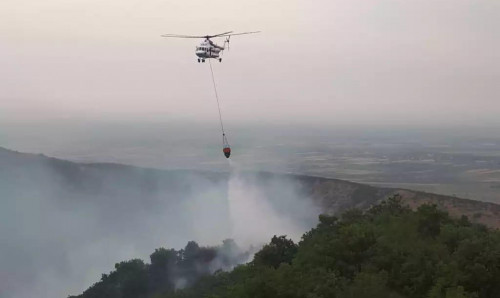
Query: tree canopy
[386, 251]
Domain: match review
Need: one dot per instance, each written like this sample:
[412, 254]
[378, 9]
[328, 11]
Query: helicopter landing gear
[220, 59]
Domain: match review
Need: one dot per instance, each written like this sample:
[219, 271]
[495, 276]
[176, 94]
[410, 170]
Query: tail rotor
[227, 42]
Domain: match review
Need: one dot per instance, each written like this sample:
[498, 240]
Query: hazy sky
[322, 61]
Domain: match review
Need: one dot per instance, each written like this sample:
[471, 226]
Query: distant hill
[89, 181]
[335, 195]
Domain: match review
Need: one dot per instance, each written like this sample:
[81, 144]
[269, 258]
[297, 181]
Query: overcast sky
[322, 61]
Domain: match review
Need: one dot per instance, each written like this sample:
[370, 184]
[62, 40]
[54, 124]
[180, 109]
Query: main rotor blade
[242, 33]
[229, 33]
[194, 36]
[220, 34]
[182, 36]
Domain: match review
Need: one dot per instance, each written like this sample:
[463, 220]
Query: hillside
[18, 171]
[332, 195]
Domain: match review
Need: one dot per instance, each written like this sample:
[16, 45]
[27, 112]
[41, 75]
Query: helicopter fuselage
[207, 49]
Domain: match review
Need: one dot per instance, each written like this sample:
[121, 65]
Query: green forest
[388, 251]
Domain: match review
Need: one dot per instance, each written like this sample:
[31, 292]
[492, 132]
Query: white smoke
[68, 223]
[254, 219]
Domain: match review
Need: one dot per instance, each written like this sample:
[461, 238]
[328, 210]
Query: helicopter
[207, 48]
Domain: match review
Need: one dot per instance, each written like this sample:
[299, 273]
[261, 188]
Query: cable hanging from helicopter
[226, 149]
[209, 50]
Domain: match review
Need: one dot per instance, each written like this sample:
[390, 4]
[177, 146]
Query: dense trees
[168, 271]
[387, 251]
[129, 280]
[280, 250]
